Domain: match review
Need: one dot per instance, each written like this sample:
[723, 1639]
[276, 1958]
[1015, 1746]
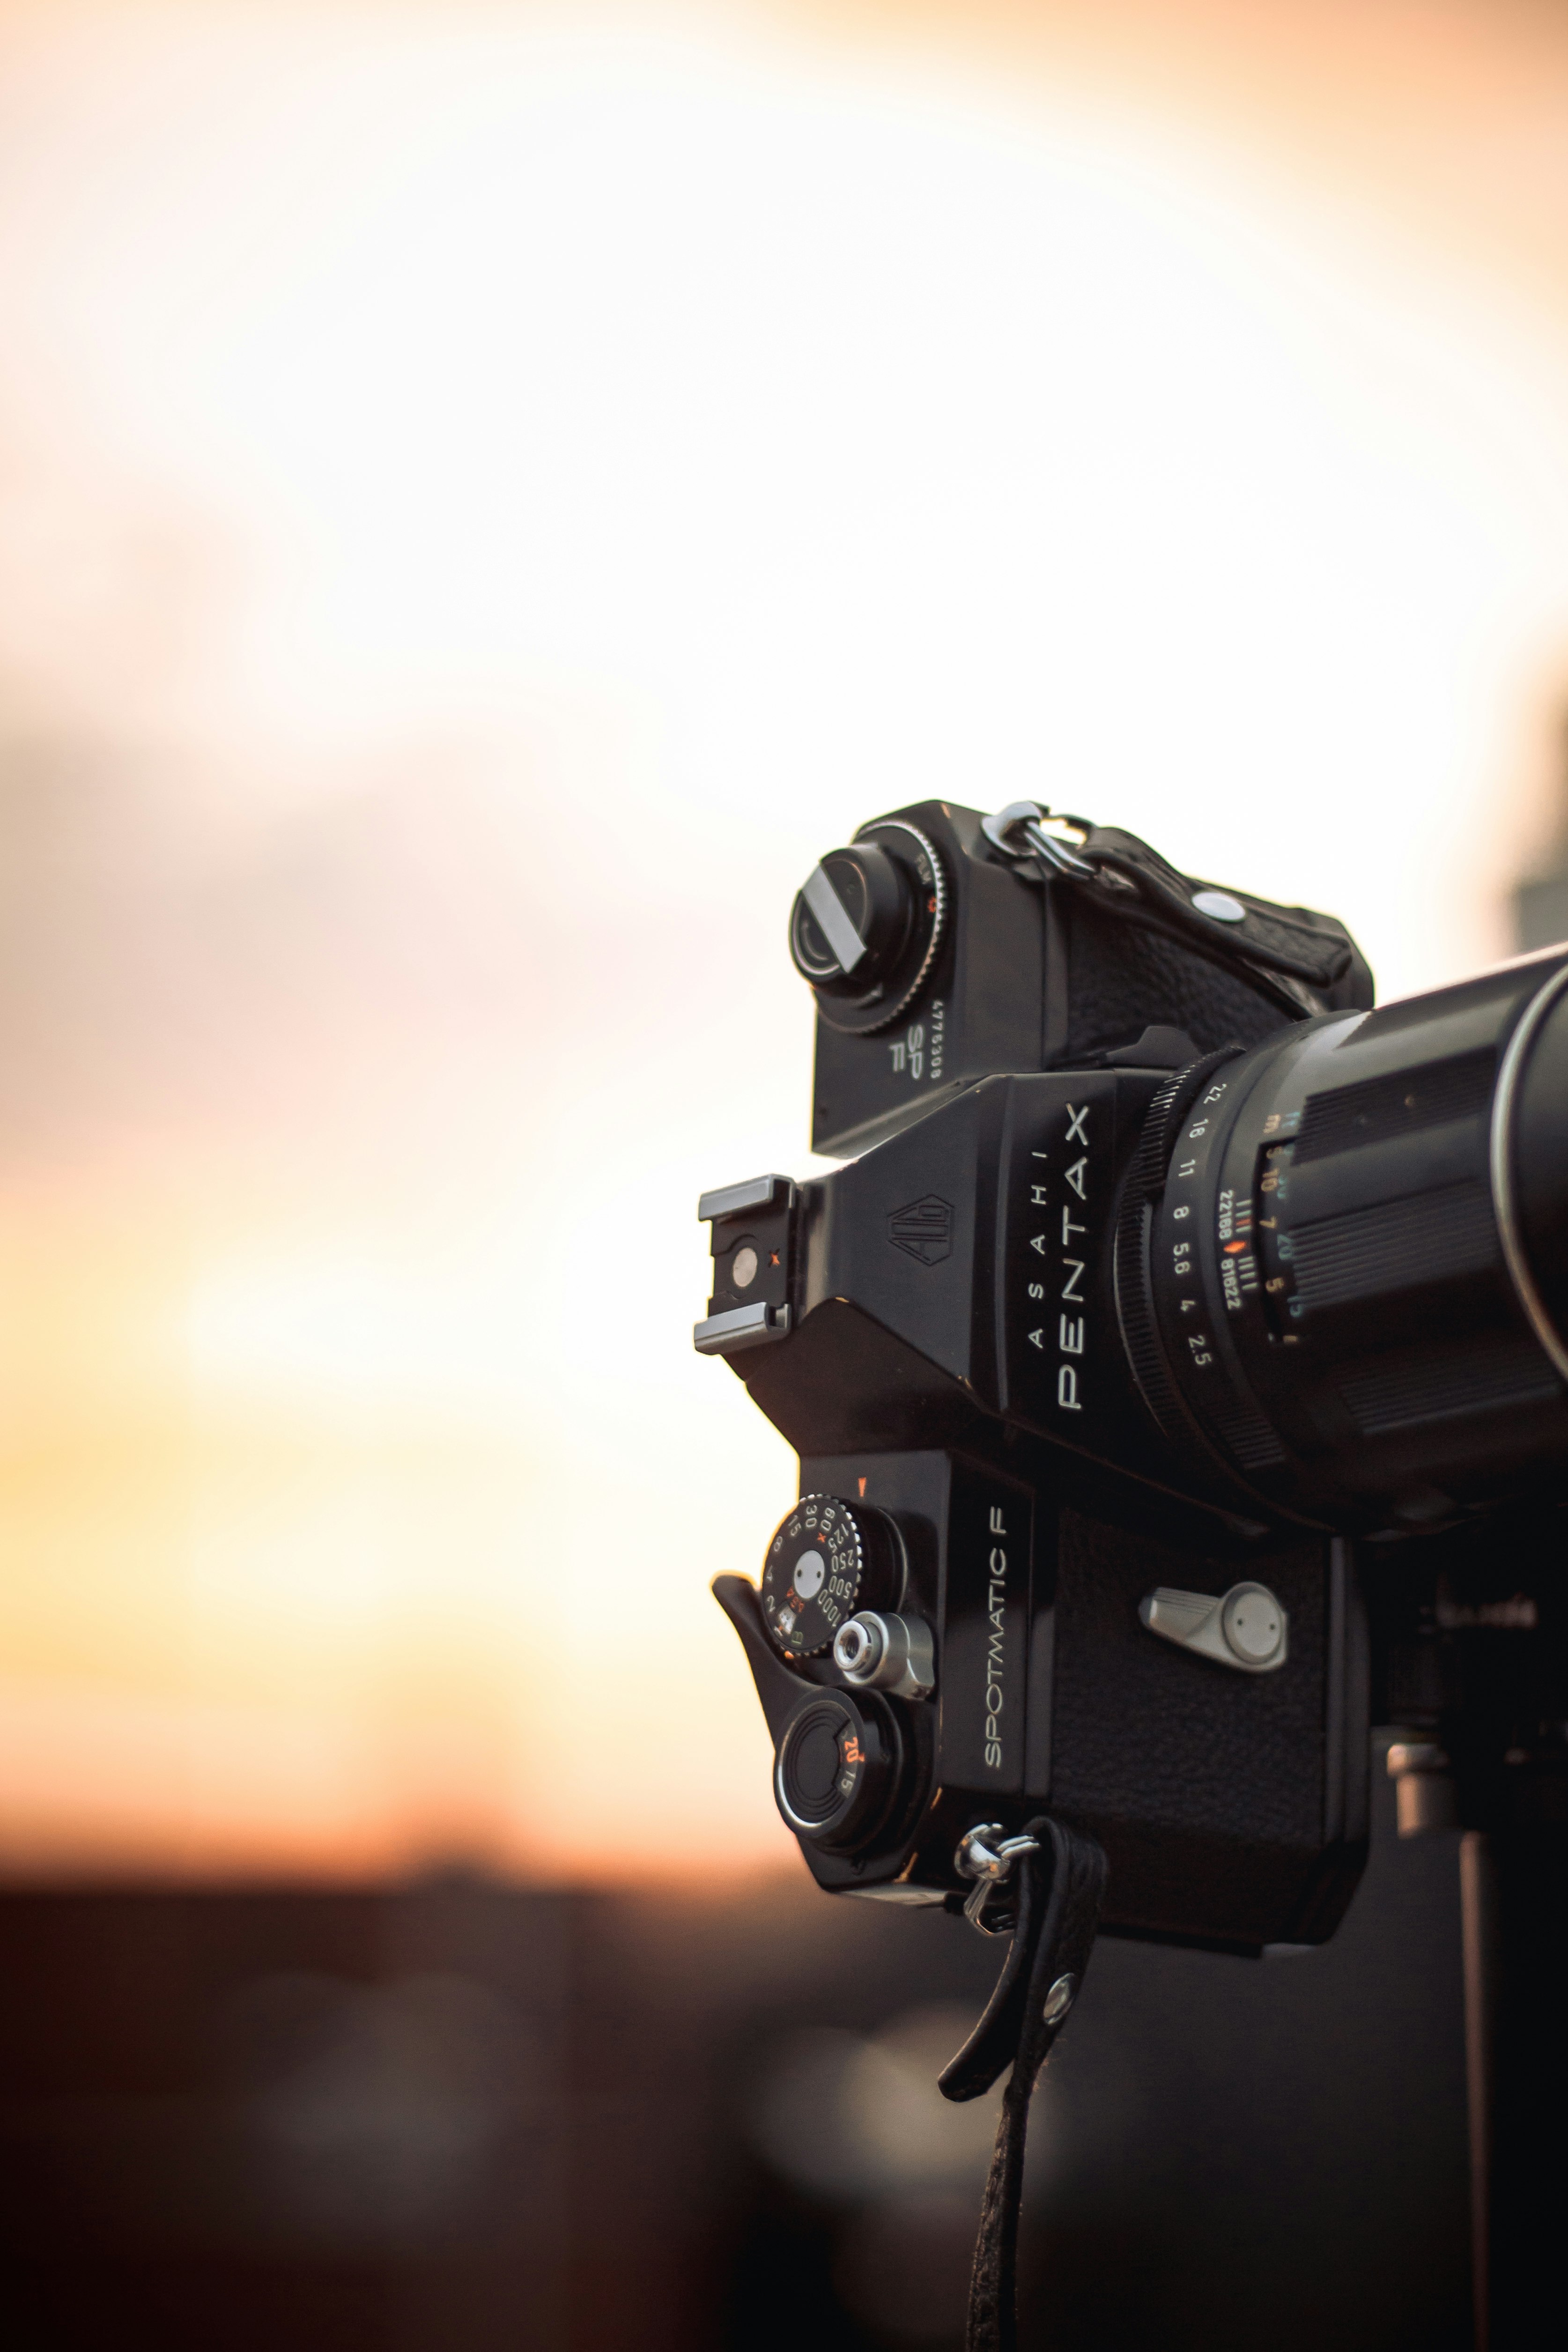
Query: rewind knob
[866, 926]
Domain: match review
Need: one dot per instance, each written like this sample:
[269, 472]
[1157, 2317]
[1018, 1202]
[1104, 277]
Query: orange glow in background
[487, 495]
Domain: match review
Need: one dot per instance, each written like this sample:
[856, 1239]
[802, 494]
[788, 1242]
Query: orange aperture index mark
[862, 1484]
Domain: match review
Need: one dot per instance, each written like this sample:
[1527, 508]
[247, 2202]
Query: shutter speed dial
[865, 927]
[827, 1562]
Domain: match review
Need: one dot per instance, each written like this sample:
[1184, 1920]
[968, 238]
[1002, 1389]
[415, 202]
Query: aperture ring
[1135, 1312]
[1166, 1111]
[1169, 1282]
[1178, 1422]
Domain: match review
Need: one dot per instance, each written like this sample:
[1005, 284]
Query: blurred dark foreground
[459, 2115]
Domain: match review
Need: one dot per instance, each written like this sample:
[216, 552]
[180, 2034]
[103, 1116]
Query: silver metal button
[1059, 1999]
[1246, 1627]
[887, 1653]
[810, 1575]
[1251, 1623]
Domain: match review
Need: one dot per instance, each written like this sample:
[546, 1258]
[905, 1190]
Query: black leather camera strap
[1061, 1887]
[1297, 953]
[1292, 939]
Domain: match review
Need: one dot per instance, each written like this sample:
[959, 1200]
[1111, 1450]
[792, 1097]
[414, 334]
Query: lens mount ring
[1505, 1200]
[1175, 1290]
[1143, 1339]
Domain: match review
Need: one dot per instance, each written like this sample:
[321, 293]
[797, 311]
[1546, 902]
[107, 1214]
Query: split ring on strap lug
[987, 1857]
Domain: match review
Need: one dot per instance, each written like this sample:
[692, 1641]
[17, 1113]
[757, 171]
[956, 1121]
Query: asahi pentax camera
[1173, 1305]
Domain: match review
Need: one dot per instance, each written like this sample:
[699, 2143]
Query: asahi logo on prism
[923, 1228]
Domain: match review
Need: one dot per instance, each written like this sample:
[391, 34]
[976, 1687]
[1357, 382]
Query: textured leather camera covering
[1119, 964]
[1313, 947]
[1226, 1802]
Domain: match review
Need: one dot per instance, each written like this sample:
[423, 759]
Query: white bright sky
[497, 491]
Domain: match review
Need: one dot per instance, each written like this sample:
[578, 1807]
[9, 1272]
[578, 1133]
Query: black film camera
[1177, 1375]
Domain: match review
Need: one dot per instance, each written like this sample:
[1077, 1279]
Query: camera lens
[1343, 1261]
[1531, 1173]
[838, 1770]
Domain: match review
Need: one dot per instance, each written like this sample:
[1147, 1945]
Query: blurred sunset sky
[488, 493]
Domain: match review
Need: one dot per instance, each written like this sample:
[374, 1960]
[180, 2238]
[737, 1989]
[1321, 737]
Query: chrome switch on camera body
[1245, 1628]
[887, 1653]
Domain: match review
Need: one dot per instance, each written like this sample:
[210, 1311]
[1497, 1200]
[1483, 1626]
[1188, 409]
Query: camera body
[1088, 1517]
[1011, 967]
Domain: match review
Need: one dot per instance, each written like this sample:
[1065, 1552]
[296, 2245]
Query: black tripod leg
[1477, 1911]
[1514, 1886]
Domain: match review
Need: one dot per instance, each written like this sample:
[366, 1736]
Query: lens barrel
[1343, 1265]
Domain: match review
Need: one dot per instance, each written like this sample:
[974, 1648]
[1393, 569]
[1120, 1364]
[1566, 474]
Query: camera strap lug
[987, 1857]
[1018, 831]
[1060, 1876]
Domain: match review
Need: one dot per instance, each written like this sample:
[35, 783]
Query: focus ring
[1505, 1205]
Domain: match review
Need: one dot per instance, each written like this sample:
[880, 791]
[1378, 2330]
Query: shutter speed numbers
[812, 1576]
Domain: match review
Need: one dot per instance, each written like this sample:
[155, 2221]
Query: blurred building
[455, 2118]
[1541, 903]
[487, 492]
